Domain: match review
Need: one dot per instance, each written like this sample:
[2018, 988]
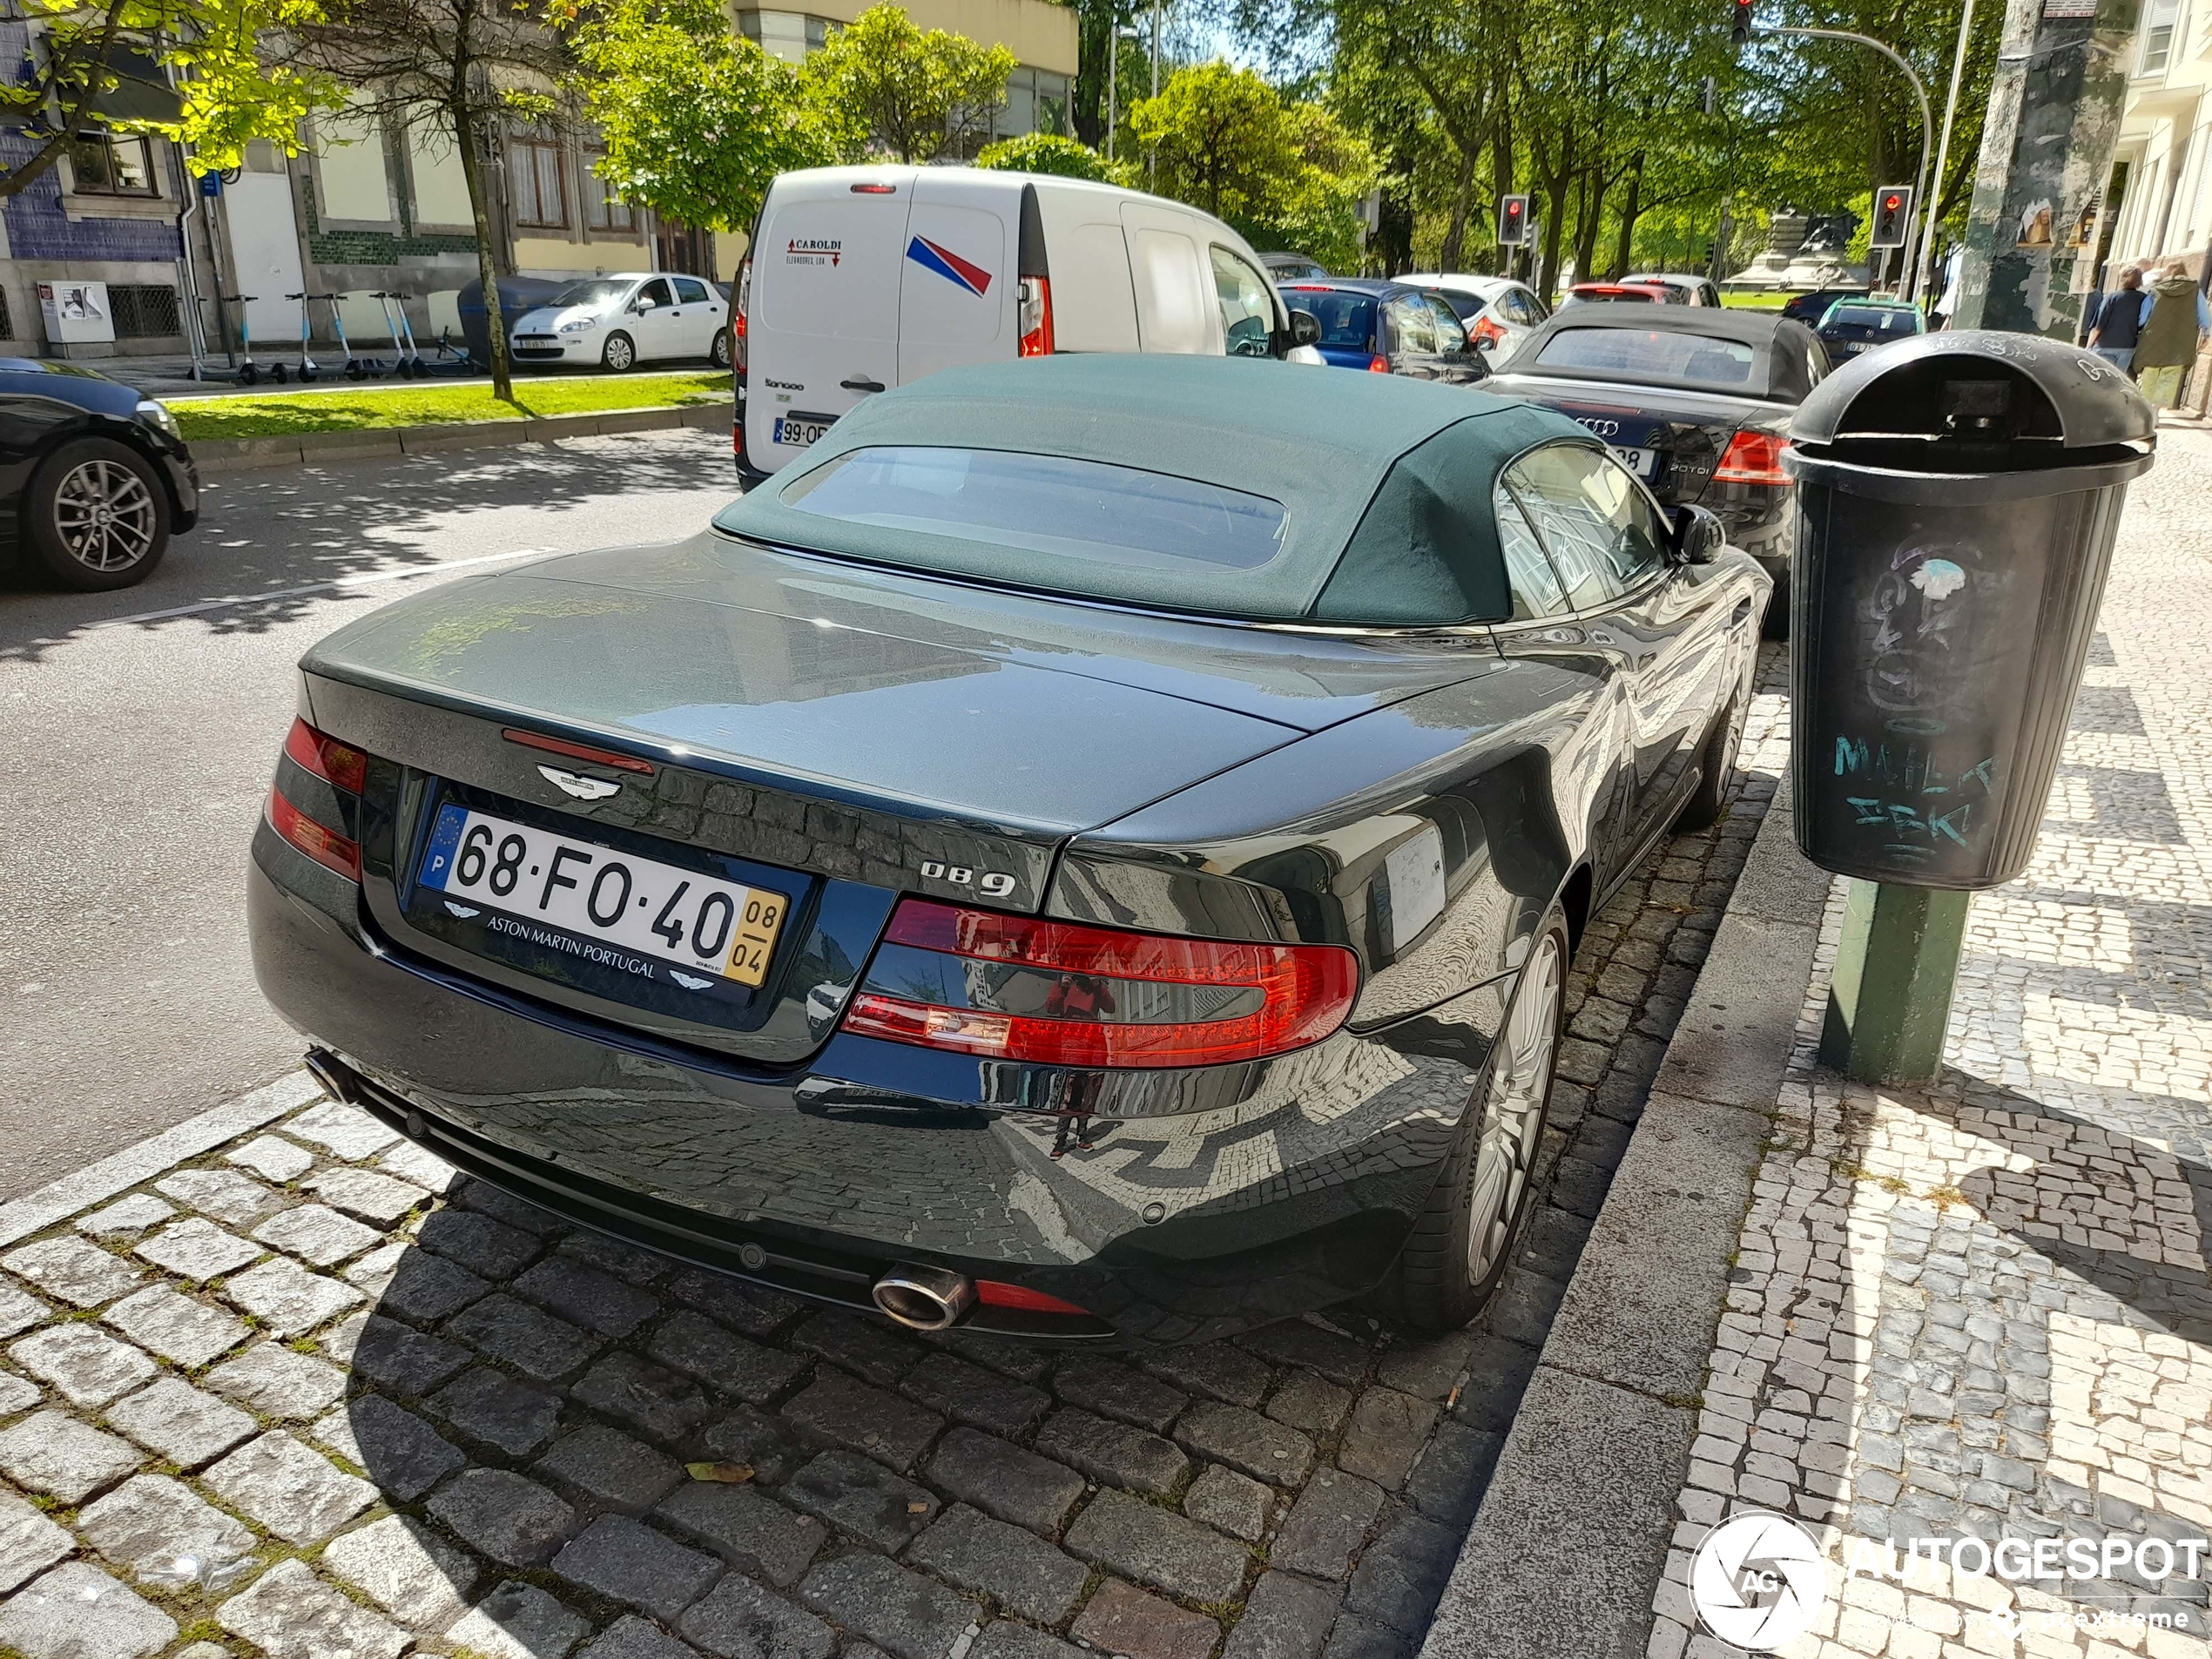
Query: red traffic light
[1892, 202]
[1513, 210]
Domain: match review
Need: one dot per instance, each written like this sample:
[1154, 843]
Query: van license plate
[796, 431]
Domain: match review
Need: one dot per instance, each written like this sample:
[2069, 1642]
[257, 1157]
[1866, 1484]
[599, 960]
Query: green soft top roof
[1385, 482]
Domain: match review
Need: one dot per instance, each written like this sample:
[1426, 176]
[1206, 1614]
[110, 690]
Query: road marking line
[98, 1183]
[360, 581]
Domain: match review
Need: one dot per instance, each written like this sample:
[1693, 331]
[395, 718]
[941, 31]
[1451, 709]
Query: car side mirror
[1698, 536]
[1306, 329]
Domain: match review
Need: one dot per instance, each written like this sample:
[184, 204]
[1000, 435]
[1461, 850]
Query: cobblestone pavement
[314, 1393]
[1981, 1310]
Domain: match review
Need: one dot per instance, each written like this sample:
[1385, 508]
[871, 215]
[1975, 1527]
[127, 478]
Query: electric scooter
[357, 369]
[248, 374]
[410, 365]
[308, 367]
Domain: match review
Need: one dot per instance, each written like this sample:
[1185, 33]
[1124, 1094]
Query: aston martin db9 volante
[1090, 854]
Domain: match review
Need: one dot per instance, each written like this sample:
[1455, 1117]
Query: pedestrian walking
[2119, 319]
[2174, 321]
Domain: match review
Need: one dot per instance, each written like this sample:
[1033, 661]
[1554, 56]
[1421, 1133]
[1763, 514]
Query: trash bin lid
[1948, 384]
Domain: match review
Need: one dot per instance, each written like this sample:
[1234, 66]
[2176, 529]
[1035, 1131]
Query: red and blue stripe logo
[948, 265]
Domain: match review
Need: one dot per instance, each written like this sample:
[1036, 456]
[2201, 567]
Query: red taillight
[1067, 994]
[1753, 458]
[1378, 364]
[875, 190]
[1310, 287]
[336, 763]
[992, 1293]
[325, 846]
[1036, 316]
[1487, 329]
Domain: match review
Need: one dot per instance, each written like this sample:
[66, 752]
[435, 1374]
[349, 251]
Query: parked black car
[1388, 327]
[1089, 853]
[1695, 401]
[1810, 308]
[99, 478]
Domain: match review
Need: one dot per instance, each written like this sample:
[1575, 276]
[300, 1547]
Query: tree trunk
[1624, 249]
[1455, 233]
[472, 169]
[1094, 62]
[1589, 211]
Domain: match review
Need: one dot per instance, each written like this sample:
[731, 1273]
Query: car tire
[719, 353]
[620, 353]
[96, 515]
[1463, 1242]
[1716, 769]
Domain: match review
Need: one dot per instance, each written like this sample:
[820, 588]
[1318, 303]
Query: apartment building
[371, 208]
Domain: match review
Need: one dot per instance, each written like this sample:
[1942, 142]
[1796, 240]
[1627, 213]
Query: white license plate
[797, 431]
[1854, 347]
[535, 879]
[1642, 463]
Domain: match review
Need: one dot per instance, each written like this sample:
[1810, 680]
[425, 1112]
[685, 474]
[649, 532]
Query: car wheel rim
[1514, 1116]
[104, 516]
[618, 354]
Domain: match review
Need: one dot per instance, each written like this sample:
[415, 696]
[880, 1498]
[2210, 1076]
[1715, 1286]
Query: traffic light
[1892, 216]
[1513, 221]
[1739, 22]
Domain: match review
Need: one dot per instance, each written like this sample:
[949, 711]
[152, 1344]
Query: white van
[861, 279]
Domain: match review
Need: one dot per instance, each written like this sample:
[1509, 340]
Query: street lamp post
[1151, 152]
[1943, 144]
[1927, 138]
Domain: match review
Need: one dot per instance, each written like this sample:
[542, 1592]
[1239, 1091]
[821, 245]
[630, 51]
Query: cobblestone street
[310, 1392]
[1981, 1310]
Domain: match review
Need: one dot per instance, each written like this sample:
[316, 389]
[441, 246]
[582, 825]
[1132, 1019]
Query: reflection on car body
[1295, 825]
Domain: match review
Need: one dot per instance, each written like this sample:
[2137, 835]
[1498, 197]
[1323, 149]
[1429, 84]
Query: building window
[2161, 25]
[107, 163]
[606, 210]
[1052, 103]
[540, 197]
[817, 33]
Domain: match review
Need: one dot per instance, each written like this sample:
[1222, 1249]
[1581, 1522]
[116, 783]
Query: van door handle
[861, 383]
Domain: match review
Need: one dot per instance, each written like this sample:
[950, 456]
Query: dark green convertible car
[1090, 854]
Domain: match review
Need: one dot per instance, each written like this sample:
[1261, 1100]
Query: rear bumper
[1170, 1228]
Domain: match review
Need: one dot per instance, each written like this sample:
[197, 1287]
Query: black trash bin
[516, 295]
[1957, 497]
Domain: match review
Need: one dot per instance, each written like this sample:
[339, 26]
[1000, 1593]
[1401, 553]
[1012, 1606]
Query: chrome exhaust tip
[335, 1076]
[924, 1299]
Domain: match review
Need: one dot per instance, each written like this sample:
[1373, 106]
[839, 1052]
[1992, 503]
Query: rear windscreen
[1882, 319]
[1347, 319]
[1632, 354]
[1078, 513]
[1468, 305]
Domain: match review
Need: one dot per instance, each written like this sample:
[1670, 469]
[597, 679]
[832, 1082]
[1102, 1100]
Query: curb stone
[1598, 1451]
[238, 454]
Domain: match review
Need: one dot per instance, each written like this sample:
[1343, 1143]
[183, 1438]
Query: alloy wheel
[103, 515]
[1515, 1116]
[619, 353]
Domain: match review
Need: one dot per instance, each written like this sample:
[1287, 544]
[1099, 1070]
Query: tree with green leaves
[1049, 152]
[461, 69]
[919, 93]
[81, 80]
[695, 120]
[1285, 173]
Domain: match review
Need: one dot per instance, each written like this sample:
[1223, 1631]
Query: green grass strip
[278, 414]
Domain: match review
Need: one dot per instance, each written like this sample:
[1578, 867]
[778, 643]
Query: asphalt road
[139, 731]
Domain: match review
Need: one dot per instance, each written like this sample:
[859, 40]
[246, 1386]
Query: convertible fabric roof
[1387, 482]
[1779, 344]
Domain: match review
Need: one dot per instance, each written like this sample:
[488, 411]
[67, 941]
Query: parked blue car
[1389, 328]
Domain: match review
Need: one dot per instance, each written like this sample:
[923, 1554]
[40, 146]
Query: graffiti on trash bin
[1907, 780]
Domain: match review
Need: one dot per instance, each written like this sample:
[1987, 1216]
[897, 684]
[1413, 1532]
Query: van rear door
[1175, 303]
[823, 330]
[956, 278]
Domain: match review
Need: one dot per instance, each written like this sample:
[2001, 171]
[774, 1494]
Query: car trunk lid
[1683, 433]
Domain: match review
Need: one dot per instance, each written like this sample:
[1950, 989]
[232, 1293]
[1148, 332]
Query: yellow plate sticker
[755, 942]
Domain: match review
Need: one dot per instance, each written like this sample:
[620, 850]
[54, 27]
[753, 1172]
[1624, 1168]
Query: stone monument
[1794, 260]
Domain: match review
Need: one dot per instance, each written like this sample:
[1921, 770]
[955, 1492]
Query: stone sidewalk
[279, 1381]
[1981, 1309]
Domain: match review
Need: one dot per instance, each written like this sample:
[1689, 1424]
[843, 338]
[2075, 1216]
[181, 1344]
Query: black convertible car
[1695, 401]
[1091, 853]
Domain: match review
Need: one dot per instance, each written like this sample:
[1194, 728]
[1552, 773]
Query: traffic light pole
[1928, 141]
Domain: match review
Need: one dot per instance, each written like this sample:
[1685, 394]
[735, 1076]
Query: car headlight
[579, 325]
[157, 414]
